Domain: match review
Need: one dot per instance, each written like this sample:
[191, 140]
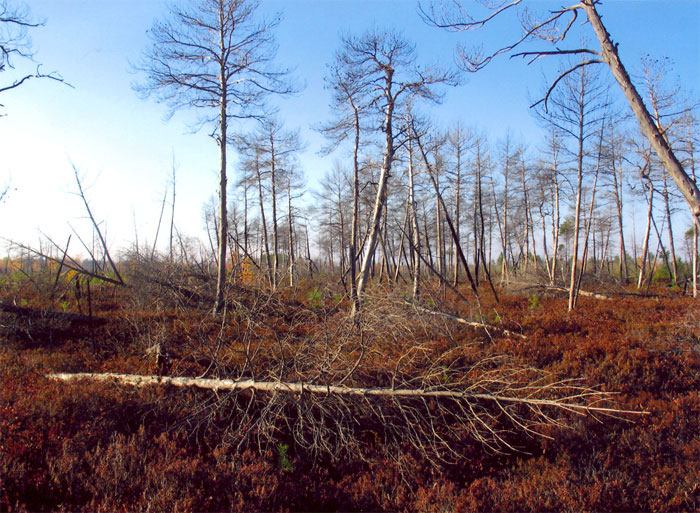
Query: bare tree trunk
[458, 186]
[526, 208]
[634, 246]
[385, 251]
[604, 254]
[691, 153]
[381, 195]
[589, 220]
[415, 232]
[449, 222]
[579, 191]
[273, 195]
[574, 256]
[308, 252]
[427, 237]
[544, 241]
[617, 185]
[555, 221]
[532, 237]
[671, 246]
[290, 225]
[504, 232]
[246, 235]
[341, 219]
[476, 231]
[266, 243]
[160, 220]
[645, 245]
[404, 232]
[172, 216]
[498, 220]
[223, 216]
[482, 222]
[355, 211]
[438, 230]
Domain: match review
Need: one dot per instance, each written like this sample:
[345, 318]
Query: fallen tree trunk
[473, 324]
[566, 403]
[584, 293]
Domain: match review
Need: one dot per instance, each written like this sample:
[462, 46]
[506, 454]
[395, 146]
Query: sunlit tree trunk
[415, 232]
[645, 243]
[381, 193]
[617, 189]
[290, 226]
[556, 220]
[261, 198]
[273, 197]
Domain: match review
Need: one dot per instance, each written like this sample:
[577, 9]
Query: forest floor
[91, 446]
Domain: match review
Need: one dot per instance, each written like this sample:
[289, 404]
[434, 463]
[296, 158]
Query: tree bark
[355, 208]
[223, 215]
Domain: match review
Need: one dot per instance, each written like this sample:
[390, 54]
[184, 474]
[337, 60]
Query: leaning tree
[215, 57]
[553, 28]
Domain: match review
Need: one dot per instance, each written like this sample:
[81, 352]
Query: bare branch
[538, 54]
[560, 77]
[454, 23]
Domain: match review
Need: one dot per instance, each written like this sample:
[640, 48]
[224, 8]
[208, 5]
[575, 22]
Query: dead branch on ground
[473, 324]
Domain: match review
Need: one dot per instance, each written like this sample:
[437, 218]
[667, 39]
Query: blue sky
[124, 146]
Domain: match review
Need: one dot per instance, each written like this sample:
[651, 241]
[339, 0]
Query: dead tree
[386, 65]
[212, 56]
[348, 101]
[413, 210]
[459, 141]
[418, 133]
[576, 111]
[275, 149]
[614, 156]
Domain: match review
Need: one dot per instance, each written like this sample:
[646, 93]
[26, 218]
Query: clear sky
[123, 145]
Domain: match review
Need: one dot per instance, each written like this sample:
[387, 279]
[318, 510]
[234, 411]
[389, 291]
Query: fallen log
[536, 287]
[473, 324]
[36, 313]
[567, 402]
[584, 293]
